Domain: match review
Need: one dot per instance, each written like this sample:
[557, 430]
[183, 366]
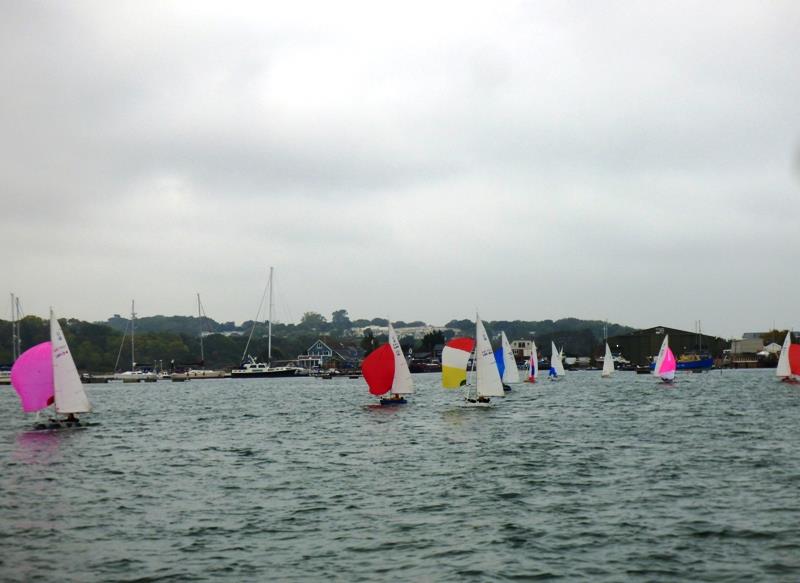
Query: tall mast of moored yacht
[200, 317]
[15, 329]
[269, 323]
[133, 326]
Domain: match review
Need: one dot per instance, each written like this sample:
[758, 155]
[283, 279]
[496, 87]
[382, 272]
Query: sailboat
[203, 372]
[608, 363]
[789, 362]
[533, 364]
[250, 367]
[556, 363]
[506, 364]
[455, 358]
[46, 375]
[665, 363]
[134, 375]
[386, 371]
[487, 377]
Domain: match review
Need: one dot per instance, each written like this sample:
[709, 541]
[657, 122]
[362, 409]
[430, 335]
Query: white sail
[662, 353]
[402, 384]
[608, 362]
[69, 394]
[556, 361]
[784, 369]
[510, 372]
[533, 369]
[488, 382]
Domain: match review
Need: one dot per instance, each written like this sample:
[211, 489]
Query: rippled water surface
[304, 479]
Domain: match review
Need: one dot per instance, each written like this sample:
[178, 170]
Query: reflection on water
[38, 447]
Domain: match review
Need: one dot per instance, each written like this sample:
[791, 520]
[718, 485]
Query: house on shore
[329, 353]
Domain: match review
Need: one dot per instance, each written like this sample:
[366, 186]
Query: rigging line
[121, 345]
[255, 322]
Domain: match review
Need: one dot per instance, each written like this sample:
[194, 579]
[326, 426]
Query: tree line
[175, 340]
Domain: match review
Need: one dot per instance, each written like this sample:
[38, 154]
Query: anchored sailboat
[608, 363]
[134, 375]
[665, 363]
[533, 364]
[789, 362]
[202, 372]
[386, 371]
[556, 363]
[250, 367]
[46, 375]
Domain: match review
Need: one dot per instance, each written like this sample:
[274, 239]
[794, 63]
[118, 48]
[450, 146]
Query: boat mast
[269, 324]
[133, 326]
[200, 317]
[16, 340]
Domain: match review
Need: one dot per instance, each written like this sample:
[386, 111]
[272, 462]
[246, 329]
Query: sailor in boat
[479, 399]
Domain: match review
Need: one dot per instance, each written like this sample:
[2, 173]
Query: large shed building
[642, 346]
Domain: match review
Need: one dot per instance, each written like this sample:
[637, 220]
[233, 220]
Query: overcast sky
[631, 161]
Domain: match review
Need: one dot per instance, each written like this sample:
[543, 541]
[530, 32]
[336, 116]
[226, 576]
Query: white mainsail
[784, 369]
[510, 372]
[608, 362]
[534, 363]
[402, 384]
[488, 383]
[556, 361]
[69, 394]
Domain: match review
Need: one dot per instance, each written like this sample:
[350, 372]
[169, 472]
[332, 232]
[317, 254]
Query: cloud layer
[636, 162]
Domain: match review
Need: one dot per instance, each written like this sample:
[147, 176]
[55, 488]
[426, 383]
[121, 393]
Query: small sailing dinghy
[487, 377]
[789, 362]
[556, 363]
[455, 358]
[666, 364]
[386, 371]
[608, 363]
[46, 375]
[506, 364]
[533, 364]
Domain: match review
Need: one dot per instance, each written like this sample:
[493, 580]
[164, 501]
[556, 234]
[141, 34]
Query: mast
[269, 324]
[14, 328]
[133, 326]
[200, 317]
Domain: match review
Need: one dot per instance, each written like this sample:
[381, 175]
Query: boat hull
[702, 364]
[261, 374]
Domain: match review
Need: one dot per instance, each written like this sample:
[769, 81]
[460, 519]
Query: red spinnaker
[378, 369]
[465, 344]
[794, 358]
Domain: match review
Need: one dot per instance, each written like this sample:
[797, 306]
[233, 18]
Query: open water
[304, 480]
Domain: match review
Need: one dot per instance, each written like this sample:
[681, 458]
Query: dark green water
[301, 480]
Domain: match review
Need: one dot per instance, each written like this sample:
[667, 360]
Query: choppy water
[299, 480]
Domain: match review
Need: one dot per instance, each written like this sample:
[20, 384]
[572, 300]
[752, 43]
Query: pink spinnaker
[669, 365]
[32, 377]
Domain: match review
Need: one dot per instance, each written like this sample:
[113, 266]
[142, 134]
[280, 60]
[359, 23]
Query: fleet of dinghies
[45, 375]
